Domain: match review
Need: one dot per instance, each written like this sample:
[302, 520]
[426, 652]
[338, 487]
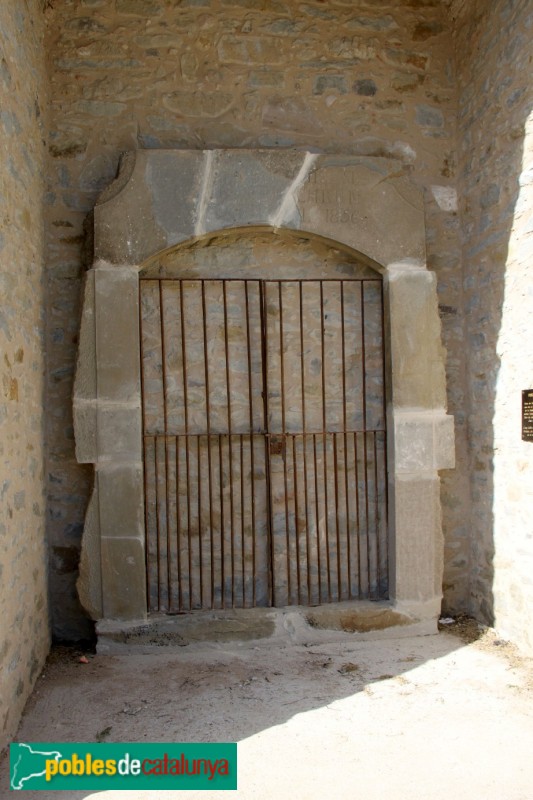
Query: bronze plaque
[527, 415]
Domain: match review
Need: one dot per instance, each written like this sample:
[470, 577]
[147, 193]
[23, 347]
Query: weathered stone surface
[250, 50]
[355, 201]
[85, 383]
[235, 198]
[417, 550]
[349, 622]
[423, 442]
[119, 432]
[351, 201]
[117, 338]
[496, 193]
[429, 116]
[120, 499]
[365, 87]
[417, 359]
[89, 584]
[193, 104]
[364, 617]
[85, 415]
[123, 578]
[24, 625]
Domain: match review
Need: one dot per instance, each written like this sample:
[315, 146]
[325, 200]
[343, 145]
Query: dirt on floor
[420, 718]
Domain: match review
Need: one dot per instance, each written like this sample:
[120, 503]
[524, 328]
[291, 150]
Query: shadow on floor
[210, 695]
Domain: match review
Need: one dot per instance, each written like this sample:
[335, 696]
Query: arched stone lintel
[169, 196]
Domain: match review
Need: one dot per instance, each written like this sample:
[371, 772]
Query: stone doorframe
[165, 197]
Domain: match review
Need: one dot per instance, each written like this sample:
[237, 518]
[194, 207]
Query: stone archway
[164, 198]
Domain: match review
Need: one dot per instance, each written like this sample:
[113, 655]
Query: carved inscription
[527, 415]
[335, 196]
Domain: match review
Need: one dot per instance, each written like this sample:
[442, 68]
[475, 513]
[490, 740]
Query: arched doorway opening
[264, 424]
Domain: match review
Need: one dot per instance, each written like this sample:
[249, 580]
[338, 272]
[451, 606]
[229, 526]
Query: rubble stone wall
[24, 637]
[494, 52]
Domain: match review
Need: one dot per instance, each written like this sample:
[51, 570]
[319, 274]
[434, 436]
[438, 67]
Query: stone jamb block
[117, 334]
[417, 548]
[417, 355]
[121, 500]
[424, 441]
[119, 432]
[89, 584]
[123, 578]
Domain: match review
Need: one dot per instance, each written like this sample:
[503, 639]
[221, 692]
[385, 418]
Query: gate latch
[276, 445]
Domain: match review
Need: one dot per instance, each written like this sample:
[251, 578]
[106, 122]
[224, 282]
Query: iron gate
[265, 470]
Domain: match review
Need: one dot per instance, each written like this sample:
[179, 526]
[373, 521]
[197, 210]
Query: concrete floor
[414, 718]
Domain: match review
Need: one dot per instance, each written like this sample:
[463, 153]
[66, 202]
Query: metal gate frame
[276, 443]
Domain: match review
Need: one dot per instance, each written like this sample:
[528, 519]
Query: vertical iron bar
[222, 526]
[376, 515]
[209, 467]
[158, 549]
[363, 352]
[200, 555]
[335, 468]
[145, 471]
[264, 358]
[336, 489]
[230, 451]
[304, 441]
[164, 378]
[178, 524]
[324, 447]
[296, 516]
[345, 427]
[386, 474]
[283, 428]
[357, 513]
[242, 525]
[250, 403]
[317, 511]
[186, 416]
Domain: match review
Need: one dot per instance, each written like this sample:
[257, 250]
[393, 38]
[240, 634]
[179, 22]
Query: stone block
[424, 442]
[85, 427]
[174, 180]
[416, 562]
[417, 355]
[89, 584]
[85, 381]
[444, 442]
[124, 225]
[250, 50]
[413, 443]
[248, 187]
[123, 578]
[429, 117]
[358, 202]
[121, 500]
[119, 432]
[198, 104]
[117, 334]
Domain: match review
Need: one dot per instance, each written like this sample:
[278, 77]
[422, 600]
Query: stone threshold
[346, 621]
